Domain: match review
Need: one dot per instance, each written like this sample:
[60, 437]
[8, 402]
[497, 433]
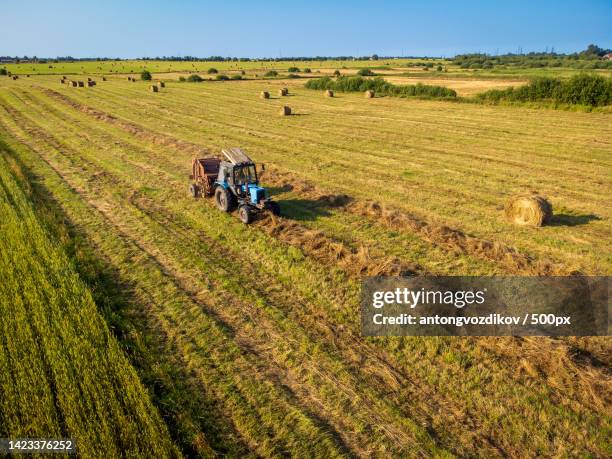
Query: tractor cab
[243, 179]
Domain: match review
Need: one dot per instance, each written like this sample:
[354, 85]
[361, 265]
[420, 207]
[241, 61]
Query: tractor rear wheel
[275, 208]
[246, 215]
[194, 189]
[224, 199]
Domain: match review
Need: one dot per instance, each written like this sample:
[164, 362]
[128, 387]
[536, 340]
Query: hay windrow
[453, 239]
[354, 262]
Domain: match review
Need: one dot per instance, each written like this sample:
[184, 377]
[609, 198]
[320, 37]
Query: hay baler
[233, 183]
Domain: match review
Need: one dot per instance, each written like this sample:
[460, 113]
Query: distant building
[607, 57]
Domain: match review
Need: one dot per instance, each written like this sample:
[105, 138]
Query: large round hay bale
[161, 84]
[81, 84]
[284, 92]
[329, 93]
[285, 111]
[265, 95]
[103, 78]
[528, 210]
[154, 88]
[369, 94]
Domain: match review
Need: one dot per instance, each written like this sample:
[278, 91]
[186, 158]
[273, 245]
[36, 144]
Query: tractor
[233, 183]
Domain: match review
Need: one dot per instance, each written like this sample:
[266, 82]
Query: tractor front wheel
[194, 189]
[224, 199]
[246, 215]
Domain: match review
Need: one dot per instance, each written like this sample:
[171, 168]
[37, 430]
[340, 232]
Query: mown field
[128, 66]
[248, 337]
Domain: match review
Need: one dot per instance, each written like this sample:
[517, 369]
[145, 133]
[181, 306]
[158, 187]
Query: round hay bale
[281, 92]
[154, 88]
[103, 78]
[161, 84]
[265, 95]
[329, 93]
[369, 94]
[285, 92]
[285, 111]
[528, 210]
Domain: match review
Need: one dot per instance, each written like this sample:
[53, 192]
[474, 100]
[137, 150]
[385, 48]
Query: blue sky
[283, 28]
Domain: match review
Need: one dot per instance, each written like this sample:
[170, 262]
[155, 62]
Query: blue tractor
[233, 183]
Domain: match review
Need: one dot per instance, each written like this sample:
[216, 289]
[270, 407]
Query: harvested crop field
[464, 86]
[252, 332]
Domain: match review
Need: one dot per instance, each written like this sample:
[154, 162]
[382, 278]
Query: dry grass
[264, 316]
[464, 86]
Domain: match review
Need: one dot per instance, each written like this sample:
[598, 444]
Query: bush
[181, 78]
[439, 68]
[3, 72]
[212, 70]
[293, 69]
[222, 78]
[293, 75]
[271, 73]
[145, 75]
[337, 73]
[307, 70]
[194, 78]
[236, 77]
[365, 72]
[583, 89]
[380, 86]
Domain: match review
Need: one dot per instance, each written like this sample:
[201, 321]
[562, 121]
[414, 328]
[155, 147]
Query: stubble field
[247, 338]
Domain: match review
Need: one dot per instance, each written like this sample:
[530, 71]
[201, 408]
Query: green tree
[145, 75]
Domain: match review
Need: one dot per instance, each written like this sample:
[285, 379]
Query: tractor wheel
[275, 208]
[224, 199]
[194, 189]
[245, 214]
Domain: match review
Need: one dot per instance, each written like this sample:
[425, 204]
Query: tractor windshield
[245, 175]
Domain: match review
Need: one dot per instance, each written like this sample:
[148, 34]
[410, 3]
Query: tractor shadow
[307, 209]
[573, 220]
[302, 209]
